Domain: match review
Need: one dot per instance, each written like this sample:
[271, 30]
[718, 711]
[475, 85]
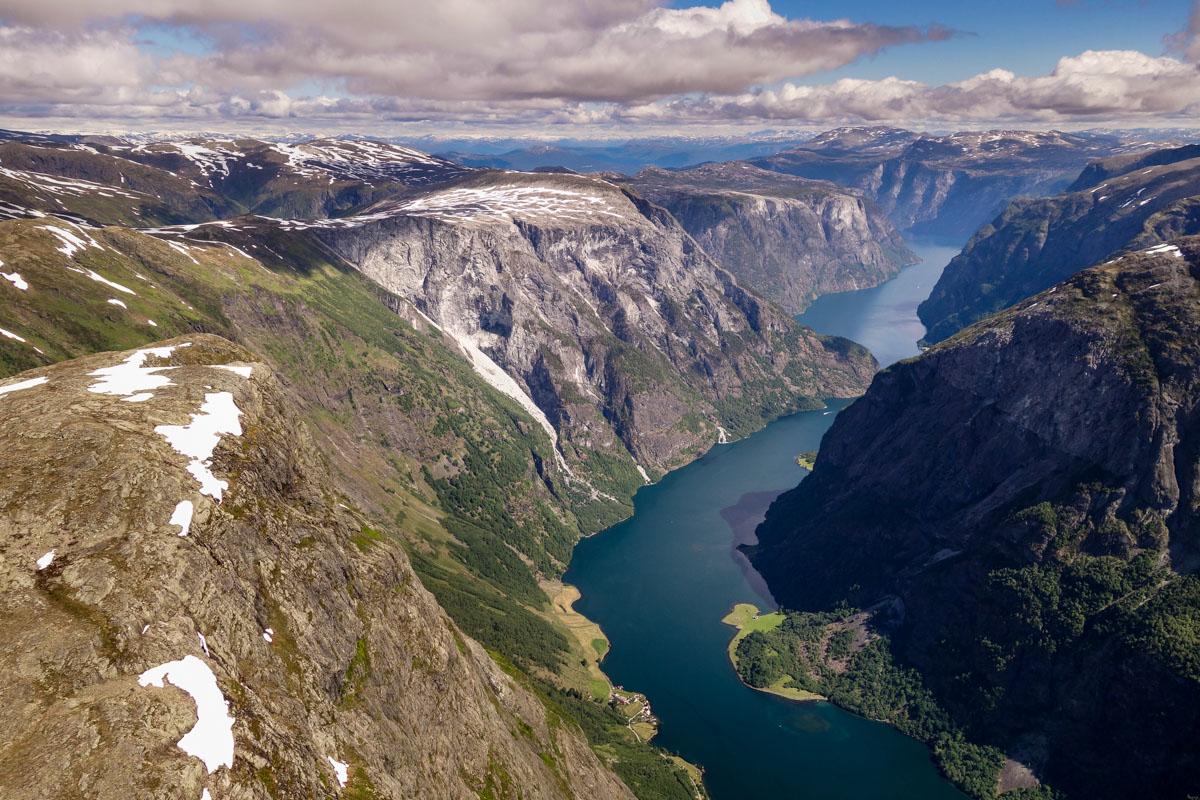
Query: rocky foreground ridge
[1022, 500]
[193, 609]
[792, 239]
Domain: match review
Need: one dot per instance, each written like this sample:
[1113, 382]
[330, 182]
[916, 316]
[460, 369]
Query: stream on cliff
[660, 582]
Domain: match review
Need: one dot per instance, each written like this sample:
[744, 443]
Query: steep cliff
[792, 239]
[1136, 202]
[943, 186]
[590, 307]
[192, 609]
[1022, 501]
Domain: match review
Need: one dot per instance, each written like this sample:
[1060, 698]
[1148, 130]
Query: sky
[598, 69]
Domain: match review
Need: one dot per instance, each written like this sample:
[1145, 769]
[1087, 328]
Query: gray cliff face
[792, 239]
[943, 186]
[1037, 243]
[309, 629]
[616, 328]
[1028, 490]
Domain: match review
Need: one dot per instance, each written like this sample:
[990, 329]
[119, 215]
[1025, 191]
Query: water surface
[660, 582]
[884, 318]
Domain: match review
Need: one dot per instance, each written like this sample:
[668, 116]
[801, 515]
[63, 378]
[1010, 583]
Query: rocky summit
[193, 607]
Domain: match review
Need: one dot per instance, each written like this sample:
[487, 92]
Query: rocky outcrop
[792, 239]
[1035, 244]
[943, 186]
[190, 608]
[1024, 498]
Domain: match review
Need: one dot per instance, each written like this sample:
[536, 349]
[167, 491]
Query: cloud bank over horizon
[509, 64]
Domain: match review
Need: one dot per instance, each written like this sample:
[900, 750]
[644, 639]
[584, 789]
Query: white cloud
[1094, 84]
[461, 50]
[48, 66]
[526, 63]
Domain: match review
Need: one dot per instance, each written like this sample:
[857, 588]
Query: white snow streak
[342, 769]
[29, 384]
[45, 560]
[15, 279]
[130, 377]
[182, 249]
[12, 335]
[117, 302]
[101, 279]
[509, 201]
[197, 440]
[211, 740]
[500, 380]
[71, 242]
[1163, 249]
[182, 516]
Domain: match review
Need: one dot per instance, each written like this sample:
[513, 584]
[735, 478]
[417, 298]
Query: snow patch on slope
[182, 516]
[197, 440]
[29, 384]
[211, 739]
[504, 383]
[14, 278]
[130, 377]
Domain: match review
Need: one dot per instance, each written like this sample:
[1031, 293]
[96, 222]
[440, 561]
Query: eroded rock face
[1028, 489]
[1118, 205]
[790, 238]
[612, 322]
[322, 643]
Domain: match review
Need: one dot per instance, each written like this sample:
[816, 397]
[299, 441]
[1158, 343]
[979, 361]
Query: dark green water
[660, 582]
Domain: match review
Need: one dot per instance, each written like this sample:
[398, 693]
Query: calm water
[660, 582]
[884, 318]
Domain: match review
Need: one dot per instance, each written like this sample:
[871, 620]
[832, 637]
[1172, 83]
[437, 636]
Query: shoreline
[739, 617]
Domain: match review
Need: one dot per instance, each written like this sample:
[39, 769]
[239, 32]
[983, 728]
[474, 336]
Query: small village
[636, 708]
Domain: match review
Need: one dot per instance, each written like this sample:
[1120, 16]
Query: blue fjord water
[660, 582]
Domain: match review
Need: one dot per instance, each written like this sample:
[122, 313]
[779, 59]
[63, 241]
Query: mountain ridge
[1122, 204]
[945, 186]
[1018, 502]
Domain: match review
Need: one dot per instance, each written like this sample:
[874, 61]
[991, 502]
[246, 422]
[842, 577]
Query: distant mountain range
[946, 186]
